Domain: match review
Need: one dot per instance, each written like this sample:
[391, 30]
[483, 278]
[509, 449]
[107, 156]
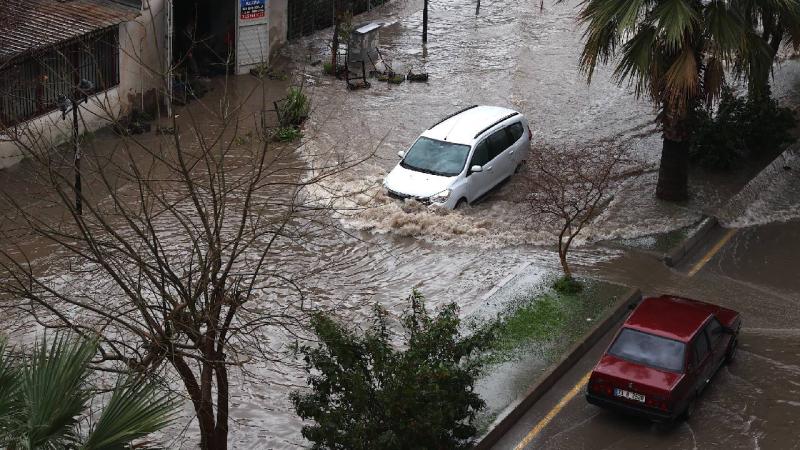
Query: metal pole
[425, 22]
[77, 148]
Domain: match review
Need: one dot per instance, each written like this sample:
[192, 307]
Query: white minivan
[462, 157]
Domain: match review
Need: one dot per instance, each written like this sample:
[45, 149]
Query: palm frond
[9, 389]
[607, 23]
[725, 29]
[681, 83]
[639, 62]
[137, 408]
[53, 390]
[676, 19]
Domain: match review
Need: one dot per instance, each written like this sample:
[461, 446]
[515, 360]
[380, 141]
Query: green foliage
[739, 127]
[45, 397]
[288, 134]
[567, 285]
[294, 109]
[327, 68]
[366, 394]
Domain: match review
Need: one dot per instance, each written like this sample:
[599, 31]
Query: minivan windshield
[436, 157]
[649, 350]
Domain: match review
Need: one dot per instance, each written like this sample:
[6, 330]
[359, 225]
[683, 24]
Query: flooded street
[513, 54]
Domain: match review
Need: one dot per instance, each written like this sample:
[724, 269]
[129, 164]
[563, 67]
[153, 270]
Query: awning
[29, 25]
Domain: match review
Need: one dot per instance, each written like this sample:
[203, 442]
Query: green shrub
[737, 128]
[288, 134]
[567, 286]
[327, 68]
[293, 110]
[367, 390]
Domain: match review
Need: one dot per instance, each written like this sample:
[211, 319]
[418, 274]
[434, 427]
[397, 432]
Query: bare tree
[565, 185]
[188, 249]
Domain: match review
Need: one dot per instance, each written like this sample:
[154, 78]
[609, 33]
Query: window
[714, 331]
[29, 86]
[649, 350]
[700, 348]
[436, 157]
[498, 142]
[515, 130]
[481, 155]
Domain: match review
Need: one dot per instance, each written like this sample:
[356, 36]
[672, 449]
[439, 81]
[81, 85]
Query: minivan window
[498, 142]
[481, 155]
[436, 157]
[649, 350]
[515, 130]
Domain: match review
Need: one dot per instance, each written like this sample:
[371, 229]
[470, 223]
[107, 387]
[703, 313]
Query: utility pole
[425, 23]
[478, 8]
[65, 104]
[77, 149]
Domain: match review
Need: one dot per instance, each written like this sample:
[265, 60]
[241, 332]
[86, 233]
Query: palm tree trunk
[673, 173]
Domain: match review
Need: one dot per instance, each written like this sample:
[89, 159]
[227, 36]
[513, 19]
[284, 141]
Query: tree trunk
[425, 22]
[673, 173]
[335, 43]
[478, 8]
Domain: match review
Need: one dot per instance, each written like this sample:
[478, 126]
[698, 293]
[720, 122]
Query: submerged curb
[677, 253]
[508, 417]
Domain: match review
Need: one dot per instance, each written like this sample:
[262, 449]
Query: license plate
[629, 395]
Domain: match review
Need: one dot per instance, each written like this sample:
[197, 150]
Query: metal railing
[30, 84]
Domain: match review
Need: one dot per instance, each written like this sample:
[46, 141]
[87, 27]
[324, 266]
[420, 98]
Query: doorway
[204, 37]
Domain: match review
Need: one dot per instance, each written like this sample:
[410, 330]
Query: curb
[677, 253]
[746, 195]
[515, 410]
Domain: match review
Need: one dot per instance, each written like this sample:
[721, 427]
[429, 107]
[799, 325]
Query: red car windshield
[649, 350]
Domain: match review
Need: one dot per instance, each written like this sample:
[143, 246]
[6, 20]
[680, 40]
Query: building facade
[130, 51]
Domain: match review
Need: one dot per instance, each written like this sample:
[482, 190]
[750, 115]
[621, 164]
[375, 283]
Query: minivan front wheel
[460, 203]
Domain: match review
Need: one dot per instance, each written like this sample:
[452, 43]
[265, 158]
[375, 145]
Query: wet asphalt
[753, 403]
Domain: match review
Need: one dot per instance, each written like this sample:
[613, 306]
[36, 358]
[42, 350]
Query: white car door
[516, 152]
[499, 157]
[479, 182]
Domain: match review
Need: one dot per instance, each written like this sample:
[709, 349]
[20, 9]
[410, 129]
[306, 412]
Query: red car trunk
[653, 384]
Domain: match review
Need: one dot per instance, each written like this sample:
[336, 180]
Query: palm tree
[44, 399]
[674, 52]
[778, 23]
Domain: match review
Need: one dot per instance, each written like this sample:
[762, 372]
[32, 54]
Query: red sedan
[663, 357]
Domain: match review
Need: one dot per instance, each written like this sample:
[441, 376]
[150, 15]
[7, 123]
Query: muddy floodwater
[513, 54]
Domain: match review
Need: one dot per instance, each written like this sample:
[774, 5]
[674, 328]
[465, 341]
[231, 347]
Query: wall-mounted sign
[253, 9]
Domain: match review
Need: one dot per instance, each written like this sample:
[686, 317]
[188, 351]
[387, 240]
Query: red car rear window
[649, 350]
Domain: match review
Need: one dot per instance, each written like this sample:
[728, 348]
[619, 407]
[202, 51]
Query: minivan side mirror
[476, 168]
[401, 153]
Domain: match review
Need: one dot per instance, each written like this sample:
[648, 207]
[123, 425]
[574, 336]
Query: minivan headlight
[441, 197]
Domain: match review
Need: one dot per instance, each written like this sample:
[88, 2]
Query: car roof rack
[492, 125]
[453, 115]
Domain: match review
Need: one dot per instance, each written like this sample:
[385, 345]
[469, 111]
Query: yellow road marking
[716, 248]
[553, 412]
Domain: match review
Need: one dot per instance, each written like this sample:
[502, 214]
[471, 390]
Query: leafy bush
[365, 393]
[293, 110]
[327, 68]
[738, 127]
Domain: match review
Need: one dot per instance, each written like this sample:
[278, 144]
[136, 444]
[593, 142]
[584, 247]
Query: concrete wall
[142, 58]
[141, 69]
[42, 133]
[278, 24]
